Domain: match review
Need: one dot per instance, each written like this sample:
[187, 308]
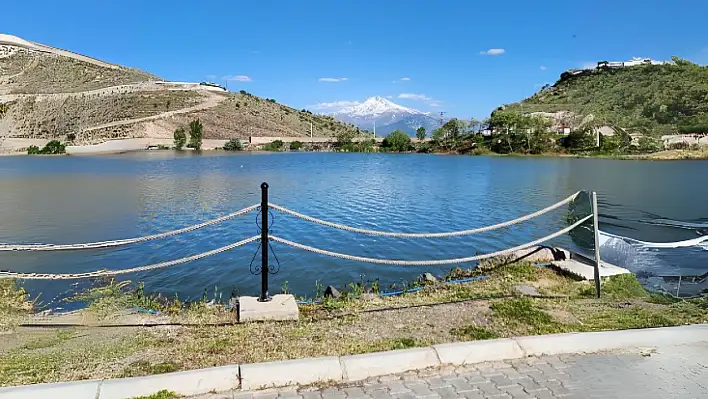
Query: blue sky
[314, 54]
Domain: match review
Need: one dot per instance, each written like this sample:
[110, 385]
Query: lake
[83, 199]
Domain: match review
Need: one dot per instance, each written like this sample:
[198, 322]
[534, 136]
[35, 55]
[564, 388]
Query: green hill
[653, 99]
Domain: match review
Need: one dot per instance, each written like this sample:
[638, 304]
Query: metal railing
[264, 238]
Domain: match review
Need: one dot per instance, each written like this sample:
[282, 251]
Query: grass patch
[47, 342]
[164, 394]
[14, 304]
[623, 286]
[474, 333]
[144, 367]
[524, 314]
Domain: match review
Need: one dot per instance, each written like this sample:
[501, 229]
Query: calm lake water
[83, 199]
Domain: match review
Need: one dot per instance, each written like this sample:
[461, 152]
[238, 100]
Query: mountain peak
[376, 106]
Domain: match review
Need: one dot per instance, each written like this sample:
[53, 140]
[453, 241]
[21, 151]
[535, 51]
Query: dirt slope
[49, 93]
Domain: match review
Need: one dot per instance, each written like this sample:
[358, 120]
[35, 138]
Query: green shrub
[397, 141]
[296, 145]
[276, 145]
[53, 147]
[233, 145]
[33, 150]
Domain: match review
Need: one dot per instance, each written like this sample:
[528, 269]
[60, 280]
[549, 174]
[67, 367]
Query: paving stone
[397, 387]
[473, 395]
[676, 372]
[447, 393]
[489, 389]
[474, 378]
[501, 381]
[528, 384]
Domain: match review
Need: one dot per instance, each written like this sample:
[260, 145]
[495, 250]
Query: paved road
[672, 372]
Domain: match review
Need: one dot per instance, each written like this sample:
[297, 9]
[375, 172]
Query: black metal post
[264, 243]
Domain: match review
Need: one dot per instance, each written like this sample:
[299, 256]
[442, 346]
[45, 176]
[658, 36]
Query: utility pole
[310, 130]
[442, 115]
[374, 130]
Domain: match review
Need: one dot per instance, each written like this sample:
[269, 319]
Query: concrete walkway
[667, 372]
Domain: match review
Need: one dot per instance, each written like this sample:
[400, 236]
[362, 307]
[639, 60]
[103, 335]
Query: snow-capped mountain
[387, 116]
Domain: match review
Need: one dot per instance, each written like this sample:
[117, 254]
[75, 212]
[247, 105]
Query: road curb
[193, 382]
[461, 353]
[290, 372]
[555, 344]
[359, 367]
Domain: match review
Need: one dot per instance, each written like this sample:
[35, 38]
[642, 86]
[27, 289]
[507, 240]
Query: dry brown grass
[56, 117]
[241, 116]
[45, 73]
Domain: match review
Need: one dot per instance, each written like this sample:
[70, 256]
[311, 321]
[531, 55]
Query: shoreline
[123, 146]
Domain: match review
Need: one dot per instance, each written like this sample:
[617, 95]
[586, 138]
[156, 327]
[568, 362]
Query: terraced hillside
[48, 93]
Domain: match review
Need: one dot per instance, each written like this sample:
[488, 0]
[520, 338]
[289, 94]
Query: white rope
[102, 273]
[423, 235]
[116, 243]
[429, 262]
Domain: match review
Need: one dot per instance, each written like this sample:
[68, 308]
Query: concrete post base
[281, 307]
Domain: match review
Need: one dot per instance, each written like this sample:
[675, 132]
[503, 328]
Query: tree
[295, 145]
[420, 133]
[397, 141]
[180, 138]
[195, 134]
[233, 145]
[475, 125]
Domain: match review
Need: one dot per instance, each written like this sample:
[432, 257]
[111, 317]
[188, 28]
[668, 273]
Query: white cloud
[389, 96]
[493, 51]
[333, 106]
[332, 80]
[405, 79]
[435, 103]
[211, 77]
[237, 78]
[542, 67]
[413, 96]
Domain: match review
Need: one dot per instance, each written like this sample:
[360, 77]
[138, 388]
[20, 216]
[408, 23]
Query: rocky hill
[655, 99]
[48, 93]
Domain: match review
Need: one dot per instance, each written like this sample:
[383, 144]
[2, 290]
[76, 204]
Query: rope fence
[104, 273]
[430, 262]
[424, 235]
[126, 241]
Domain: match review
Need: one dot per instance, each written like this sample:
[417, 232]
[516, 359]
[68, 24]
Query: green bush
[53, 147]
[276, 145]
[397, 141]
[296, 145]
[33, 150]
[233, 145]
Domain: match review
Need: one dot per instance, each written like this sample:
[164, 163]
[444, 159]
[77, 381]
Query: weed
[284, 287]
[474, 332]
[164, 394]
[144, 367]
[623, 286]
[523, 312]
[404, 343]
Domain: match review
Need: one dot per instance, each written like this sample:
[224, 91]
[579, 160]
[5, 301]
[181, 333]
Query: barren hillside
[48, 93]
